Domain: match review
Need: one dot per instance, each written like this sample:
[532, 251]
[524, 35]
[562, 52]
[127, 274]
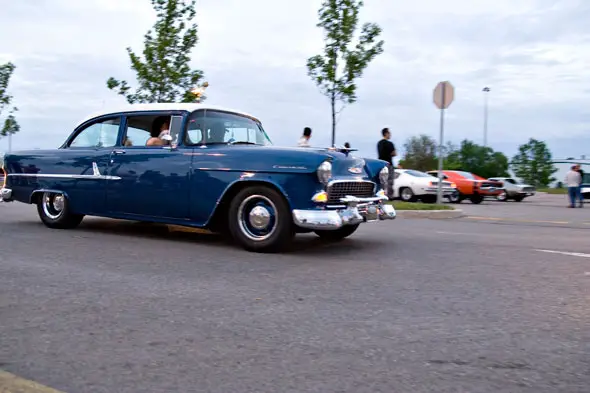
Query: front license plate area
[372, 213]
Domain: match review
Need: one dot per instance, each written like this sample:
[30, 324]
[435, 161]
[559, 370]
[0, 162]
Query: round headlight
[324, 172]
[384, 176]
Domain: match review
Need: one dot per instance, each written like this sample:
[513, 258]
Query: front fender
[373, 166]
[296, 188]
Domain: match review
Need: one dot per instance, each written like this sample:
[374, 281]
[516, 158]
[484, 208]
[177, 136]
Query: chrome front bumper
[354, 211]
[5, 194]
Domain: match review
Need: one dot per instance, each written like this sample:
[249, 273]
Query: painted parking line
[516, 220]
[574, 254]
[10, 383]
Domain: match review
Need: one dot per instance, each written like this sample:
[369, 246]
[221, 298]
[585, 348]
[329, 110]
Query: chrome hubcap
[257, 217]
[53, 205]
[406, 193]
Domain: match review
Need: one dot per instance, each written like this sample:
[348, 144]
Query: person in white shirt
[304, 140]
[572, 181]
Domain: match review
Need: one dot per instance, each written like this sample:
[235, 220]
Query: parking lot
[496, 301]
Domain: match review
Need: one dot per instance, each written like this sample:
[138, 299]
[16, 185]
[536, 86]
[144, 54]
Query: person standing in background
[572, 182]
[304, 140]
[386, 151]
[580, 196]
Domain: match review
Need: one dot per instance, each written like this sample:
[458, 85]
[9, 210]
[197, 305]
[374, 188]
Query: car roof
[164, 106]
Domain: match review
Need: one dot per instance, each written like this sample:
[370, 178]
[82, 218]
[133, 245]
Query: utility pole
[485, 90]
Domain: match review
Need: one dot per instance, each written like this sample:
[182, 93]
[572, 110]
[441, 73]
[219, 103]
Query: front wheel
[260, 220]
[502, 197]
[518, 198]
[455, 197]
[54, 211]
[338, 234]
[476, 199]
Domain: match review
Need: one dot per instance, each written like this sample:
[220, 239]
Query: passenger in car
[160, 127]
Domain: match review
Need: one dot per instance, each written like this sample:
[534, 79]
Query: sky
[533, 54]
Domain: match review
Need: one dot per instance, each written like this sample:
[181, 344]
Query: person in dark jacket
[386, 151]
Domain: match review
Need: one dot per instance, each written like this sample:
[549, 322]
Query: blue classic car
[201, 166]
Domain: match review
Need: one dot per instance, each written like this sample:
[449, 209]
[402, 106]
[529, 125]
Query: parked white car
[411, 185]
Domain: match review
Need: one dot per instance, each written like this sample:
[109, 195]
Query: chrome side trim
[65, 176]
[96, 175]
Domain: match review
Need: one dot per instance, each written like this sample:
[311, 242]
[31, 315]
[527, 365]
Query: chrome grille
[359, 189]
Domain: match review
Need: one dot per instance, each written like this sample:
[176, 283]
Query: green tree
[420, 153]
[165, 75]
[480, 160]
[533, 163]
[10, 125]
[336, 70]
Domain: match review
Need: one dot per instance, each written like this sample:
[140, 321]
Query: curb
[433, 214]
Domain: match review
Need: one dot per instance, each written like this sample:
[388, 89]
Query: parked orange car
[470, 186]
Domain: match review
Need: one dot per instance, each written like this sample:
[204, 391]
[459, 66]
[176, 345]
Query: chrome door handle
[119, 151]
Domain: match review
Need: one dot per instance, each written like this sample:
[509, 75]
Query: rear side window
[103, 133]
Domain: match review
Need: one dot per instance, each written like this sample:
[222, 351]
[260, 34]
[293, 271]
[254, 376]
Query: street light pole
[485, 90]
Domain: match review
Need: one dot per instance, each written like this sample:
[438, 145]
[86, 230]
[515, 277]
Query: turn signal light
[320, 197]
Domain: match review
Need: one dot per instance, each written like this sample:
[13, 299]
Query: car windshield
[225, 128]
[466, 175]
[417, 173]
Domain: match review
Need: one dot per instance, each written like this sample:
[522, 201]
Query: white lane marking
[575, 254]
[457, 233]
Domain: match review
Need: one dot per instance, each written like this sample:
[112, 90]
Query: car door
[152, 181]
[86, 155]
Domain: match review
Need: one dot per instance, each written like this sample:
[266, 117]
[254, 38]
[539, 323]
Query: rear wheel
[338, 234]
[259, 219]
[503, 196]
[406, 194]
[54, 211]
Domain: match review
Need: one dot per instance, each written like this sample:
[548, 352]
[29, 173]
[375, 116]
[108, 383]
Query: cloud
[532, 53]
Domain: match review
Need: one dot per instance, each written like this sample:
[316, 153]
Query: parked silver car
[513, 189]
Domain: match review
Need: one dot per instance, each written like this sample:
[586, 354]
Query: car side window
[100, 134]
[146, 130]
[396, 175]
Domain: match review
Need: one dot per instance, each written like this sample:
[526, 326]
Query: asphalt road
[465, 305]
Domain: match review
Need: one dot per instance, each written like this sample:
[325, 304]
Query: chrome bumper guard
[5, 194]
[354, 211]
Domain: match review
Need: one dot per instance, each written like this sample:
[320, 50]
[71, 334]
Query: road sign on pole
[443, 96]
